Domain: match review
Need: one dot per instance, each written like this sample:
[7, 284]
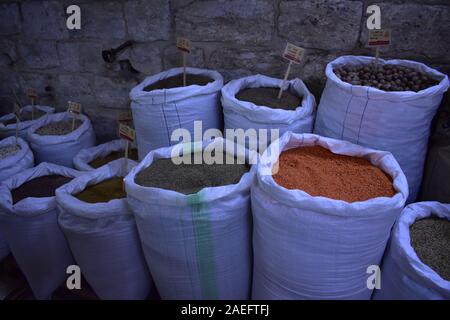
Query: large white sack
[104, 238]
[398, 122]
[10, 129]
[85, 156]
[403, 275]
[313, 247]
[246, 115]
[197, 246]
[158, 113]
[18, 162]
[31, 230]
[60, 149]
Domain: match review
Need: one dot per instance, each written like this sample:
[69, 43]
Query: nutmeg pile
[387, 77]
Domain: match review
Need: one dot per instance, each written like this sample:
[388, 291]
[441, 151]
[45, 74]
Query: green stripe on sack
[204, 247]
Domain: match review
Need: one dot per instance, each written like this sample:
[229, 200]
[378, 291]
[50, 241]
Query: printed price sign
[31, 93]
[74, 108]
[379, 37]
[17, 110]
[293, 53]
[125, 116]
[127, 133]
[184, 44]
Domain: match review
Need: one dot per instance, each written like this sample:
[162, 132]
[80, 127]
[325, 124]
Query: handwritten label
[125, 116]
[74, 108]
[379, 37]
[184, 44]
[31, 93]
[127, 133]
[293, 53]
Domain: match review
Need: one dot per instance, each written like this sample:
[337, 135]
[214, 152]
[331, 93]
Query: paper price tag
[379, 37]
[127, 133]
[31, 93]
[293, 53]
[17, 110]
[74, 108]
[184, 44]
[125, 116]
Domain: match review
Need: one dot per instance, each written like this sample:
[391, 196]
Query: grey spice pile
[189, 178]
[59, 128]
[8, 151]
[385, 77]
[430, 238]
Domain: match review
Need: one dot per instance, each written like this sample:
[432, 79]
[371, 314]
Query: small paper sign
[17, 110]
[31, 93]
[74, 108]
[125, 116]
[184, 44]
[379, 37]
[293, 53]
[127, 133]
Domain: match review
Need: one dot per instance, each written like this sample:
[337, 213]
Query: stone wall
[235, 37]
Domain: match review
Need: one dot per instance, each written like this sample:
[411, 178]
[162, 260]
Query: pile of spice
[25, 116]
[386, 77]
[8, 151]
[104, 191]
[430, 238]
[100, 161]
[58, 128]
[268, 97]
[319, 172]
[177, 81]
[40, 187]
[190, 178]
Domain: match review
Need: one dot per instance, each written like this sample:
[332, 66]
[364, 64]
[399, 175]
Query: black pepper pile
[387, 77]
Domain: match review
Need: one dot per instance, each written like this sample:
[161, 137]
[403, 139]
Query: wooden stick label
[184, 44]
[379, 37]
[31, 93]
[74, 108]
[17, 111]
[293, 53]
[126, 132]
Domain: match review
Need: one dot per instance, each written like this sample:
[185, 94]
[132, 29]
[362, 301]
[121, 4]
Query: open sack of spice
[27, 118]
[102, 233]
[416, 265]
[94, 157]
[194, 219]
[57, 138]
[252, 103]
[322, 211]
[14, 158]
[29, 223]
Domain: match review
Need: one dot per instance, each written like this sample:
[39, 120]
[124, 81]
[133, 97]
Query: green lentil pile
[58, 128]
[104, 191]
[189, 178]
[100, 161]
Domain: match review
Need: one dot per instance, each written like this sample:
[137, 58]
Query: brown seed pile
[177, 81]
[8, 151]
[385, 77]
[100, 161]
[44, 186]
[430, 238]
[268, 97]
[319, 172]
[58, 128]
[104, 191]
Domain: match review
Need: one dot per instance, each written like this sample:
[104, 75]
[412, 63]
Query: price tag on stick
[295, 55]
[379, 38]
[184, 45]
[32, 94]
[73, 109]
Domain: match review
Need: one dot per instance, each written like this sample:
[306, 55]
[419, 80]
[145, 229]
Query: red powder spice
[319, 172]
